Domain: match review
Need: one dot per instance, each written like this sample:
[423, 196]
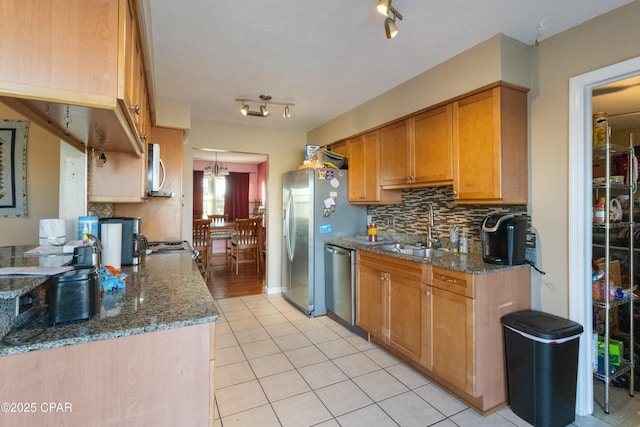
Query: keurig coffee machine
[504, 239]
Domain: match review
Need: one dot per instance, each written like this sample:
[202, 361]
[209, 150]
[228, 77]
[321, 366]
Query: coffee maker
[504, 239]
[134, 244]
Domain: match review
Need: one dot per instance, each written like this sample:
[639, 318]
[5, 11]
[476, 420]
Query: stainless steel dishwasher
[340, 277]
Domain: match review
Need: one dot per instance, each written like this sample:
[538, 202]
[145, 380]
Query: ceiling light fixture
[384, 7]
[216, 169]
[263, 110]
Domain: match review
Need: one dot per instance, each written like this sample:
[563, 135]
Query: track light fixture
[263, 110]
[384, 7]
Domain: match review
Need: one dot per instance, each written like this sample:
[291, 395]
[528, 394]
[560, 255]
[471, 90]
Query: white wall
[284, 150]
[595, 44]
[479, 66]
[73, 187]
[43, 176]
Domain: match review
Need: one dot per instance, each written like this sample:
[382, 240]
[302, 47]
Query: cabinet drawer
[389, 264]
[453, 281]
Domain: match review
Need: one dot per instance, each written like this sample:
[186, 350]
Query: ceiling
[326, 57]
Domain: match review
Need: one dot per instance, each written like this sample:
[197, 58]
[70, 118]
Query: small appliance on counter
[134, 244]
[74, 295]
[504, 239]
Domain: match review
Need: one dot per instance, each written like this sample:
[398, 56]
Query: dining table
[222, 227]
[221, 231]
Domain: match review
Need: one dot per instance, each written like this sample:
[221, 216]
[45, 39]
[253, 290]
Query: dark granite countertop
[165, 291]
[13, 256]
[469, 263]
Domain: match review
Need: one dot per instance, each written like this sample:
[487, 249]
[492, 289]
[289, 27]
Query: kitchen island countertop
[468, 263]
[165, 291]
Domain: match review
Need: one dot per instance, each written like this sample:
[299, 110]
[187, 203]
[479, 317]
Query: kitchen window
[213, 190]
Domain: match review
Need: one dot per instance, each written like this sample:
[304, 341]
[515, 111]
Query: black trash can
[541, 351]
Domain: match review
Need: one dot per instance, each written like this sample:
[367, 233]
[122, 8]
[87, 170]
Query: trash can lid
[542, 325]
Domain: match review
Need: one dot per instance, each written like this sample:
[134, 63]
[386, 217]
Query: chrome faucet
[430, 226]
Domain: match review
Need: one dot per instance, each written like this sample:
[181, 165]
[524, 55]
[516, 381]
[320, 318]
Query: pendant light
[216, 169]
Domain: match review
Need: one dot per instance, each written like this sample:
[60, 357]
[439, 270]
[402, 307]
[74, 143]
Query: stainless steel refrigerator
[315, 208]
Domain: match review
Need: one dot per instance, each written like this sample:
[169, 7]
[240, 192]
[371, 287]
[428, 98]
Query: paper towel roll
[52, 231]
[111, 237]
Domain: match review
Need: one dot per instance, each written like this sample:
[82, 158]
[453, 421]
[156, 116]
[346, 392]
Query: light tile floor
[276, 367]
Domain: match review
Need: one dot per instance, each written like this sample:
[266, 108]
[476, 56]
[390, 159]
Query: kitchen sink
[428, 252]
[414, 250]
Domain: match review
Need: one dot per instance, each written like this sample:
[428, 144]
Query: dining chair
[221, 235]
[245, 242]
[201, 242]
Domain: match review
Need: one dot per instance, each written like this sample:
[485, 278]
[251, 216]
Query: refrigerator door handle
[287, 227]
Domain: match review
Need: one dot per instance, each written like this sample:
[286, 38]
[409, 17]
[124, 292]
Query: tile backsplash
[412, 216]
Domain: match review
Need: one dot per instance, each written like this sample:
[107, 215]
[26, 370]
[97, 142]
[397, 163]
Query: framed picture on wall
[13, 168]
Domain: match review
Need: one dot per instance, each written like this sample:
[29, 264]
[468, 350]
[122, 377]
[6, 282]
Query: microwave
[156, 172]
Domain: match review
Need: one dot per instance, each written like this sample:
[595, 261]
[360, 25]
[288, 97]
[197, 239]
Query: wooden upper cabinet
[364, 185]
[341, 148]
[490, 147]
[162, 215]
[395, 152]
[70, 60]
[417, 151]
[433, 146]
[132, 92]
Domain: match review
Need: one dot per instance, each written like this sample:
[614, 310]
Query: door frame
[579, 218]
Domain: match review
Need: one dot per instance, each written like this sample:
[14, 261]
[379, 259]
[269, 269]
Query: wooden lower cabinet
[162, 378]
[452, 333]
[389, 303]
[444, 323]
[371, 289]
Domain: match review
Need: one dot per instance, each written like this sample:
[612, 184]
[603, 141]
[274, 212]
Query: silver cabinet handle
[136, 109]
[448, 280]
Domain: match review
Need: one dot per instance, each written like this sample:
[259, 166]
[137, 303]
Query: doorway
[580, 307]
[222, 283]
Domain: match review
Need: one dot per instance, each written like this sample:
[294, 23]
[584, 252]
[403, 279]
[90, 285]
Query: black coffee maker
[504, 239]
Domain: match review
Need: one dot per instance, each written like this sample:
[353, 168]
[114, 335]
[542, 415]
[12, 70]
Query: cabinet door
[427, 325]
[341, 148]
[477, 159]
[433, 146]
[121, 179]
[370, 291]
[364, 174]
[395, 154]
[357, 170]
[405, 316]
[453, 348]
[490, 147]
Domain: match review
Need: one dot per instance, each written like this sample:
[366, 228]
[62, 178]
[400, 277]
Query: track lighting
[263, 110]
[390, 28]
[384, 7]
